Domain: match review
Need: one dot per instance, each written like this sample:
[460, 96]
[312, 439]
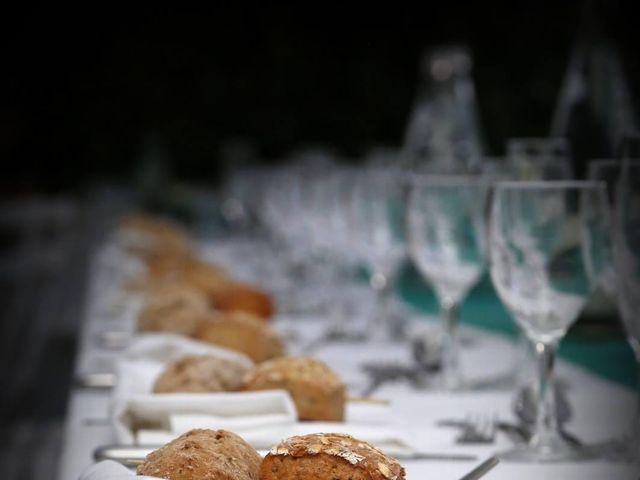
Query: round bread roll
[243, 332]
[180, 269]
[328, 456]
[316, 390]
[242, 297]
[173, 308]
[205, 277]
[203, 455]
[154, 235]
[200, 373]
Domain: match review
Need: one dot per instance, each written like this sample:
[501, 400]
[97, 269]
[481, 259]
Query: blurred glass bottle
[443, 134]
[594, 112]
[595, 109]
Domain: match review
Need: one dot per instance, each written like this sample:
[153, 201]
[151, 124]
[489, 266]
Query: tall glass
[543, 237]
[377, 213]
[627, 262]
[445, 221]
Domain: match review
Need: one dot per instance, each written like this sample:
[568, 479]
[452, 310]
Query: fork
[478, 428]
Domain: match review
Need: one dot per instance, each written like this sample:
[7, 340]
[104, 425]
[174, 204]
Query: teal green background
[601, 347]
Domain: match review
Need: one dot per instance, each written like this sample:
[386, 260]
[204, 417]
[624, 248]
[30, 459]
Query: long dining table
[601, 407]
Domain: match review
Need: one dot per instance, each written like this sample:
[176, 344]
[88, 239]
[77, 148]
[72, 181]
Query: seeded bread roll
[171, 308]
[242, 332]
[317, 392]
[328, 456]
[200, 373]
[203, 455]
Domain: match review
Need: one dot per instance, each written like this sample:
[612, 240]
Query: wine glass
[446, 231]
[543, 236]
[626, 241]
[376, 208]
[539, 158]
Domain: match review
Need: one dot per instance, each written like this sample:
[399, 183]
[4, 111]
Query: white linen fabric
[109, 470]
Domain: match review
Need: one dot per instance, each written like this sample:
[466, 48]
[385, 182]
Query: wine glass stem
[546, 421]
[450, 349]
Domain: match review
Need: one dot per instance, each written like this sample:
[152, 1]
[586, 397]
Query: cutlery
[482, 469]
[479, 428]
[334, 334]
[381, 373]
[133, 455]
[517, 433]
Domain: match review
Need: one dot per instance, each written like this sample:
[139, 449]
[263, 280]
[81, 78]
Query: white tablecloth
[602, 410]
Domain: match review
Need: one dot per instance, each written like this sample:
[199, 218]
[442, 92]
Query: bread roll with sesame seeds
[316, 390]
[328, 456]
[203, 455]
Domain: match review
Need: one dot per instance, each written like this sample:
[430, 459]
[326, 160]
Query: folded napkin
[261, 418]
[148, 354]
[110, 470]
[156, 419]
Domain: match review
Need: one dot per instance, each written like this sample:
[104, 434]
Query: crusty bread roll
[154, 235]
[242, 297]
[222, 292]
[173, 308]
[317, 392]
[243, 332]
[200, 373]
[203, 455]
[328, 456]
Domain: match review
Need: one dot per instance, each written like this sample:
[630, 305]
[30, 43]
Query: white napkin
[139, 419]
[109, 470]
[148, 354]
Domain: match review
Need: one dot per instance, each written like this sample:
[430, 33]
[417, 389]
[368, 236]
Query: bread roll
[203, 455]
[242, 332]
[200, 373]
[154, 235]
[242, 297]
[317, 392]
[173, 308]
[328, 456]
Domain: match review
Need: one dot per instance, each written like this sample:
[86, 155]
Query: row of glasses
[545, 241]
[548, 245]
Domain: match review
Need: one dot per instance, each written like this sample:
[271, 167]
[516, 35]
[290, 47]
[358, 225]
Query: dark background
[84, 88]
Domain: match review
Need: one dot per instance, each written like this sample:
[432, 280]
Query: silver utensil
[334, 334]
[133, 455]
[479, 428]
[384, 372]
[517, 433]
[482, 469]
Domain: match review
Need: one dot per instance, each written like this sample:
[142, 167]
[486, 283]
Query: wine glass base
[553, 450]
